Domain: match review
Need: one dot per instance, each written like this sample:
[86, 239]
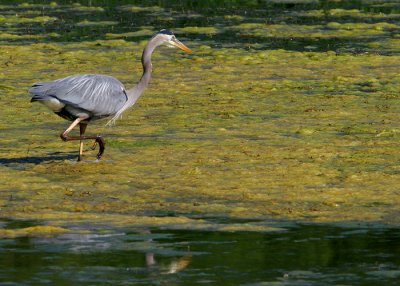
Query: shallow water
[292, 255]
[284, 111]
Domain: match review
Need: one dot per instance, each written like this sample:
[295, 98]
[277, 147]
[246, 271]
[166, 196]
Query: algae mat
[238, 132]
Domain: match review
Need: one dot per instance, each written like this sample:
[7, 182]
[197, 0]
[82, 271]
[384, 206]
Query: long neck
[134, 93]
[147, 66]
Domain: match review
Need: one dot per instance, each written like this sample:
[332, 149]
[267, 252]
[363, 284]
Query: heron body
[92, 95]
[83, 98]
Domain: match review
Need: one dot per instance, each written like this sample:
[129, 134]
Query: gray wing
[101, 95]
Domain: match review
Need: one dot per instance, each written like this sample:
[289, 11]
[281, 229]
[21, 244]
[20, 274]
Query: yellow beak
[179, 45]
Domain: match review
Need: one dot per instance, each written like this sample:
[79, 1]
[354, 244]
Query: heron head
[171, 41]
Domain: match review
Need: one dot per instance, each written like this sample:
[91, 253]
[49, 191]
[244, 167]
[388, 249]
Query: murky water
[286, 110]
[302, 25]
[295, 255]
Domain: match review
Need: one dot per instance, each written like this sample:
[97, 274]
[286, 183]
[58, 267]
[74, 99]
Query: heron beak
[175, 42]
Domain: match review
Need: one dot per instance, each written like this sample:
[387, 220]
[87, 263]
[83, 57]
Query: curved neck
[134, 93]
[147, 66]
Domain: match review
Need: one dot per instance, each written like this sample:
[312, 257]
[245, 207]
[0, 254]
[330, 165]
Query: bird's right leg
[82, 128]
[98, 139]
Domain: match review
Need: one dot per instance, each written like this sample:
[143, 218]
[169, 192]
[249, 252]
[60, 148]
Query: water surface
[294, 255]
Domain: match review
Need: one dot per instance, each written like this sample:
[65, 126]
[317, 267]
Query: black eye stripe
[166, 32]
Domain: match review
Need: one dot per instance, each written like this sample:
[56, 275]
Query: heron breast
[53, 103]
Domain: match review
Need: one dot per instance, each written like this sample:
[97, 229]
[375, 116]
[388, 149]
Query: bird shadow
[58, 156]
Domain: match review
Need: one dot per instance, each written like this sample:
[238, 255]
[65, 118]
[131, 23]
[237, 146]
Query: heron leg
[64, 136]
[82, 128]
[98, 139]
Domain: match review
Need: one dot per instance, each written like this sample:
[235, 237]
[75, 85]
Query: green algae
[272, 144]
[77, 7]
[145, 31]
[14, 19]
[138, 9]
[223, 132]
[87, 23]
[341, 13]
[32, 5]
[330, 30]
[9, 36]
[199, 30]
[234, 17]
[39, 230]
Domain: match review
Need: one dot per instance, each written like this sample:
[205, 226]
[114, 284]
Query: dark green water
[299, 255]
[208, 13]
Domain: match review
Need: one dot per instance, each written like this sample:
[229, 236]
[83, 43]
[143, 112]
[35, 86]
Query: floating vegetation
[137, 9]
[307, 115]
[13, 19]
[330, 30]
[39, 230]
[234, 17]
[139, 33]
[77, 7]
[250, 125]
[33, 5]
[198, 30]
[339, 13]
[9, 36]
[87, 23]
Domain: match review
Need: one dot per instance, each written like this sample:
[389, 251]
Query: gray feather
[99, 95]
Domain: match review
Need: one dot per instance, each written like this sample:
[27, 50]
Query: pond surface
[303, 25]
[294, 255]
[286, 110]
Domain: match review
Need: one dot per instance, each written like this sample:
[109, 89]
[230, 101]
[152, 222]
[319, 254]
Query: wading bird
[83, 98]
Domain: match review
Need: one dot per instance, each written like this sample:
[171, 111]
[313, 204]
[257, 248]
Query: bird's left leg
[64, 136]
[98, 139]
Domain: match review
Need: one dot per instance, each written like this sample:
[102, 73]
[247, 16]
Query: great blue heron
[83, 98]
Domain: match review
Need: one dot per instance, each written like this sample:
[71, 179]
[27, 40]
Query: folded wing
[100, 95]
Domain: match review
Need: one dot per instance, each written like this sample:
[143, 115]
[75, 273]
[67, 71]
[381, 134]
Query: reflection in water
[175, 266]
[89, 242]
[302, 255]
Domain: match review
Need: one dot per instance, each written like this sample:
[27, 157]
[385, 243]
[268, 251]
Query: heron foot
[99, 140]
[64, 137]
